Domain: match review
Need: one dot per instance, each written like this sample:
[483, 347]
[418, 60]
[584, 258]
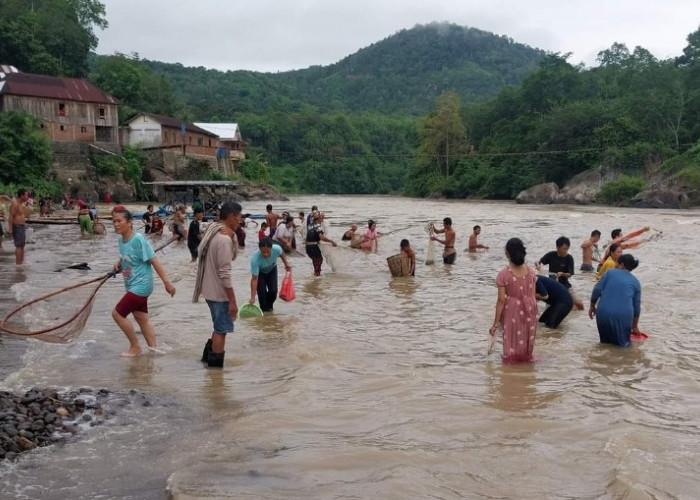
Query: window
[41, 124]
[102, 113]
[200, 141]
[61, 109]
[63, 128]
[83, 130]
[209, 142]
[189, 140]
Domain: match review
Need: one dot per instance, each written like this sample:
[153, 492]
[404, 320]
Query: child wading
[136, 261]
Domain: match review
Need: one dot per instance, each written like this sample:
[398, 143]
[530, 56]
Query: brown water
[368, 387]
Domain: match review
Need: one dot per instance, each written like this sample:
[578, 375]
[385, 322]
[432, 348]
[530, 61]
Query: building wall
[144, 132]
[195, 143]
[72, 121]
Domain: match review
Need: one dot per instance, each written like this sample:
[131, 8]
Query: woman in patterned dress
[516, 308]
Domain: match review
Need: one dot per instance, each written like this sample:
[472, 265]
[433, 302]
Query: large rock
[540, 194]
[669, 198]
[583, 188]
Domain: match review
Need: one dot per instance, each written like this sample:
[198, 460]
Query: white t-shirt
[284, 232]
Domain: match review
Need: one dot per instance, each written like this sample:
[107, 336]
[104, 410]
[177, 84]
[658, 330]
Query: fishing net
[430, 255]
[58, 317]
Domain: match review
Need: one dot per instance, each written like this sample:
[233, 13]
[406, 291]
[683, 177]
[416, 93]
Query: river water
[371, 387]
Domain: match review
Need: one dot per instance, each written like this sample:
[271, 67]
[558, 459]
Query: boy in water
[271, 218]
[406, 248]
[473, 244]
[261, 233]
[590, 251]
[561, 266]
[449, 254]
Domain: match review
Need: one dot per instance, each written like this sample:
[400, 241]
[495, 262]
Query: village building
[230, 139]
[152, 131]
[70, 109]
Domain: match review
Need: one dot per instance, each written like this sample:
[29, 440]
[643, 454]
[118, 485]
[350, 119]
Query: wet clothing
[559, 301]
[449, 255]
[519, 319]
[313, 238]
[193, 238]
[85, 223]
[135, 256]
[240, 236]
[620, 295]
[607, 265]
[369, 238]
[588, 268]
[559, 264]
[19, 235]
[147, 220]
[157, 226]
[131, 302]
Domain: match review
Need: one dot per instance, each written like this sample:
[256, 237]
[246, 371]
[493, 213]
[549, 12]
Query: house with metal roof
[230, 139]
[152, 131]
[70, 109]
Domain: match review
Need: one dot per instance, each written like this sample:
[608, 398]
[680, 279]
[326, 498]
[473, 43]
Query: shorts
[587, 267]
[19, 235]
[449, 258]
[177, 230]
[2, 231]
[130, 303]
[223, 323]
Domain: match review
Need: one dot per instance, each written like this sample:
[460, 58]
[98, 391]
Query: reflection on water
[371, 387]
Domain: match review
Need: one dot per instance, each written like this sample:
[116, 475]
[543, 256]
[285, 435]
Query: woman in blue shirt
[263, 271]
[615, 303]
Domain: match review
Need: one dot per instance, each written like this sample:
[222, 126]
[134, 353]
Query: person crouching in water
[558, 299]
[136, 261]
[179, 223]
[194, 235]
[263, 273]
[217, 250]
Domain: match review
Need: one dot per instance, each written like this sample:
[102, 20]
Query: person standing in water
[449, 254]
[194, 235]
[411, 254]
[516, 307]
[590, 251]
[474, 245]
[271, 218]
[217, 250]
[136, 263]
[314, 236]
[263, 273]
[369, 236]
[15, 224]
[616, 303]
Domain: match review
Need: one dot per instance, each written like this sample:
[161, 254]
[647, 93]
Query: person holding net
[136, 262]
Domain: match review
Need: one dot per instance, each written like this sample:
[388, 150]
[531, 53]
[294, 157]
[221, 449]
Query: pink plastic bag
[287, 292]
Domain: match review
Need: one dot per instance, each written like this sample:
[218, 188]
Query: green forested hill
[401, 74]
[405, 72]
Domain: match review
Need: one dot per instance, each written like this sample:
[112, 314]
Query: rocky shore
[41, 417]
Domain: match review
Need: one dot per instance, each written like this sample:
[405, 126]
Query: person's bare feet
[579, 305]
[132, 352]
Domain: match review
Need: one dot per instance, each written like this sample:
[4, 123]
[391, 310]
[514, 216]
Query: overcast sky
[279, 35]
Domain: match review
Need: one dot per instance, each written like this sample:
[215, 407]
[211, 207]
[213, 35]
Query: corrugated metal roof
[225, 131]
[176, 123]
[54, 87]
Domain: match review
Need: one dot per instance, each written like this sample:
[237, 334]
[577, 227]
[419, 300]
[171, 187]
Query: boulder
[540, 194]
[669, 198]
[583, 188]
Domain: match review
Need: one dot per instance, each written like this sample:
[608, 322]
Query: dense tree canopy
[52, 37]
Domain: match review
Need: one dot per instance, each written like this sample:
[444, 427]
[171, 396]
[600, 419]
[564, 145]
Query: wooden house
[151, 131]
[230, 139]
[70, 109]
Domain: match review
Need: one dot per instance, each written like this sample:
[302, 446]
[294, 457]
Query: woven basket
[399, 265]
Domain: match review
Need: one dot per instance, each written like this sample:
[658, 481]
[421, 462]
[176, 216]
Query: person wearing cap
[369, 236]
[314, 236]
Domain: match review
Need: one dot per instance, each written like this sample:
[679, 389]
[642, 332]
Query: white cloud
[278, 35]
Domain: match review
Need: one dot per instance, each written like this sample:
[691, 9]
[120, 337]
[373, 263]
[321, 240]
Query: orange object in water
[638, 336]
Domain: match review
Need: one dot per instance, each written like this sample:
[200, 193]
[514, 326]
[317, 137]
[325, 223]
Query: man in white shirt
[284, 235]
